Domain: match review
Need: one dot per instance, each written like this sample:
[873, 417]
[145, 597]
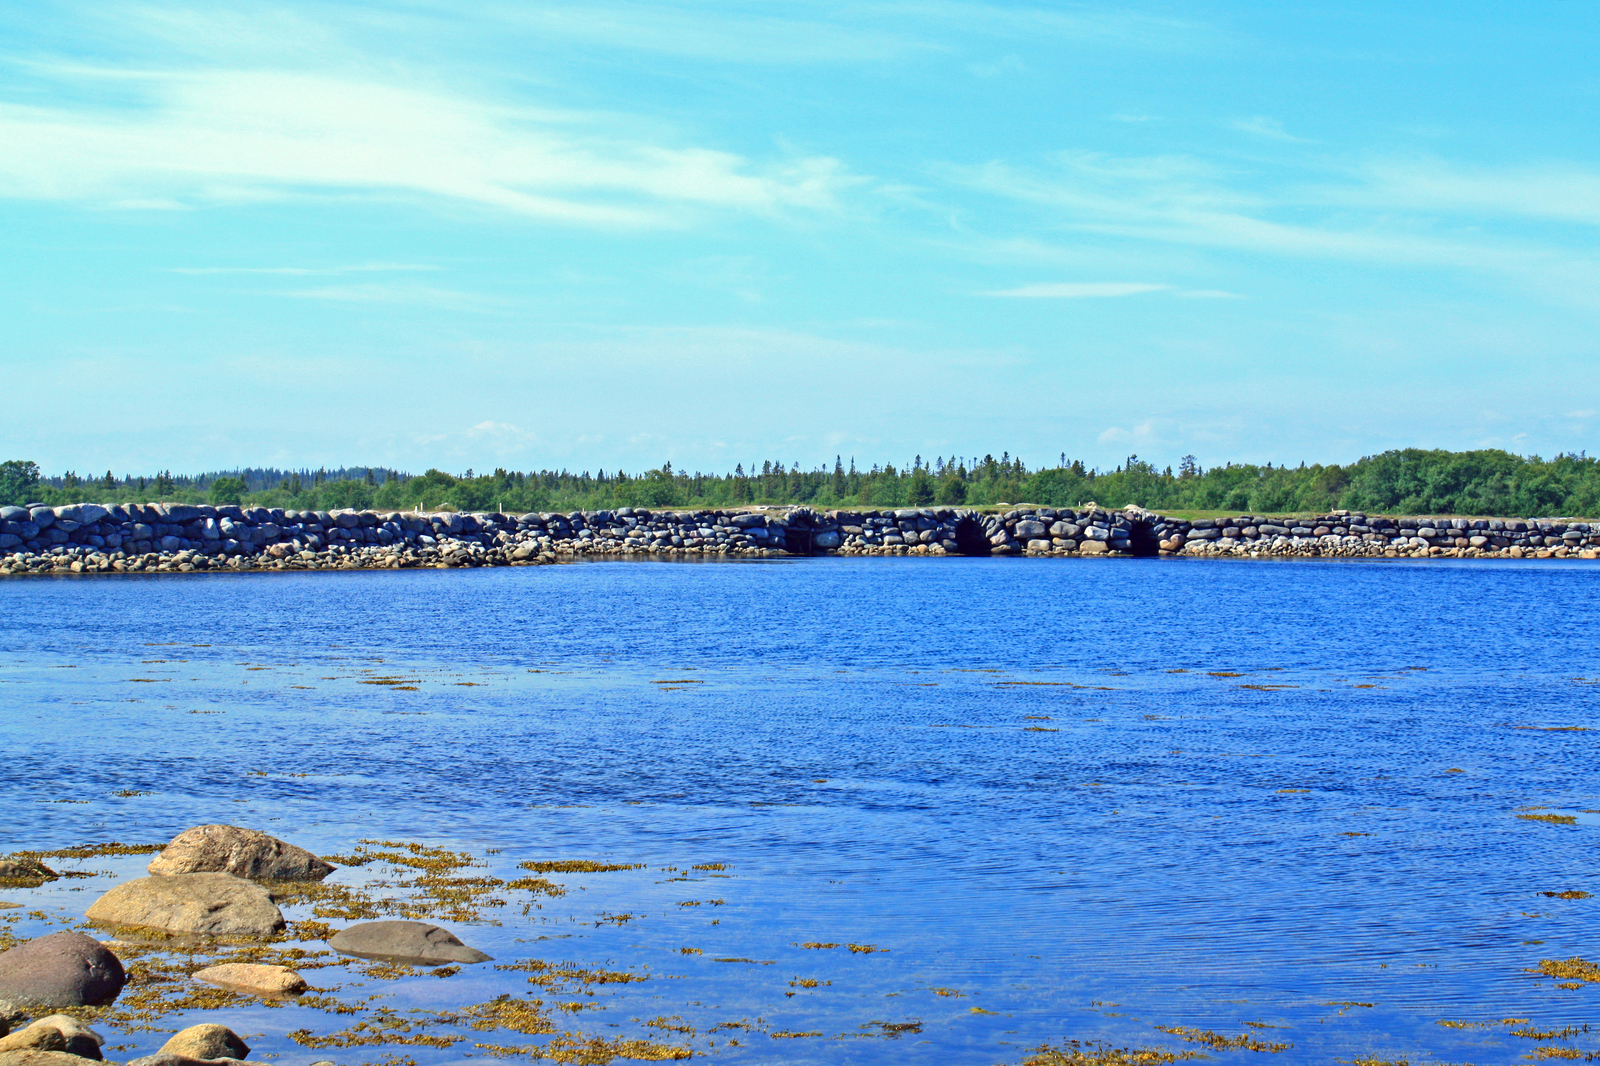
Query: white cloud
[301, 271]
[1079, 290]
[222, 136]
[1172, 201]
[1141, 433]
[863, 32]
[500, 430]
[398, 295]
[1555, 191]
[1269, 128]
[695, 33]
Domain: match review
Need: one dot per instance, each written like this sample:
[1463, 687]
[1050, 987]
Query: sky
[614, 234]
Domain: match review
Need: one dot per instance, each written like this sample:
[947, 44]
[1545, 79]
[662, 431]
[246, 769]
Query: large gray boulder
[82, 513]
[65, 969]
[209, 904]
[413, 943]
[241, 852]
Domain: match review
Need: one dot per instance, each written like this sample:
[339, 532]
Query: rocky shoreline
[165, 538]
[212, 886]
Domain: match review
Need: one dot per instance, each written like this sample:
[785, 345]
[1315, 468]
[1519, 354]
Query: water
[1062, 800]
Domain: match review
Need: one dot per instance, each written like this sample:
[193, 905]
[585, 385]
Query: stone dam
[141, 538]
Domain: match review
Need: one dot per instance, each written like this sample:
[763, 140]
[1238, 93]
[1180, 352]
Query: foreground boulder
[198, 1045]
[58, 1032]
[65, 969]
[35, 1057]
[413, 943]
[205, 1042]
[207, 904]
[263, 980]
[25, 873]
[241, 852]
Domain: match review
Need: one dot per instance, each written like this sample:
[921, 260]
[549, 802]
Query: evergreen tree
[953, 486]
[919, 489]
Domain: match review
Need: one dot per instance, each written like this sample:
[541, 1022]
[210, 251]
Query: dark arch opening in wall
[970, 539]
[1142, 540]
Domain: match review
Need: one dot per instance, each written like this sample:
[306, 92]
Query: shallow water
[1064, 800]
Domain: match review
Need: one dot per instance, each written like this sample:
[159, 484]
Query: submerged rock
[65, 969]
[211, 904]
[28, 871]
[241, 852]
[252, 977]
[414, 943]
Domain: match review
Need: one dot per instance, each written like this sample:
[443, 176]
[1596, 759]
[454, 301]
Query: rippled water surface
[1080, 800]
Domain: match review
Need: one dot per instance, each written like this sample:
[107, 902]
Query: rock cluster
[144, 538]
[201, 884]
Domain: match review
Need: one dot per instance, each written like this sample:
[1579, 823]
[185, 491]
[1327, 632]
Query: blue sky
[613, 234]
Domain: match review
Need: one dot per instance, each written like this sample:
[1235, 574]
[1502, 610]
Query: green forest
[1407, 481]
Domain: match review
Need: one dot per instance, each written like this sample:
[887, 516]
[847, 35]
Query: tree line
[1404, 481]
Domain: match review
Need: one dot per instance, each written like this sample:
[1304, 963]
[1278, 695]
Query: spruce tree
[919, 490]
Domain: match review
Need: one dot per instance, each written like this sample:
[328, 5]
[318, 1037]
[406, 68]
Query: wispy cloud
[1269, 128]
[1097, 25]
[694, 32]
[1185, 201]
[1557, 191]
[363, 268]
[398, 296]
[220, 136]
[1080, 290]
[863, 32]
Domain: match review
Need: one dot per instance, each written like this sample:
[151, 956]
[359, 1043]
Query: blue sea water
[1065, 800]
